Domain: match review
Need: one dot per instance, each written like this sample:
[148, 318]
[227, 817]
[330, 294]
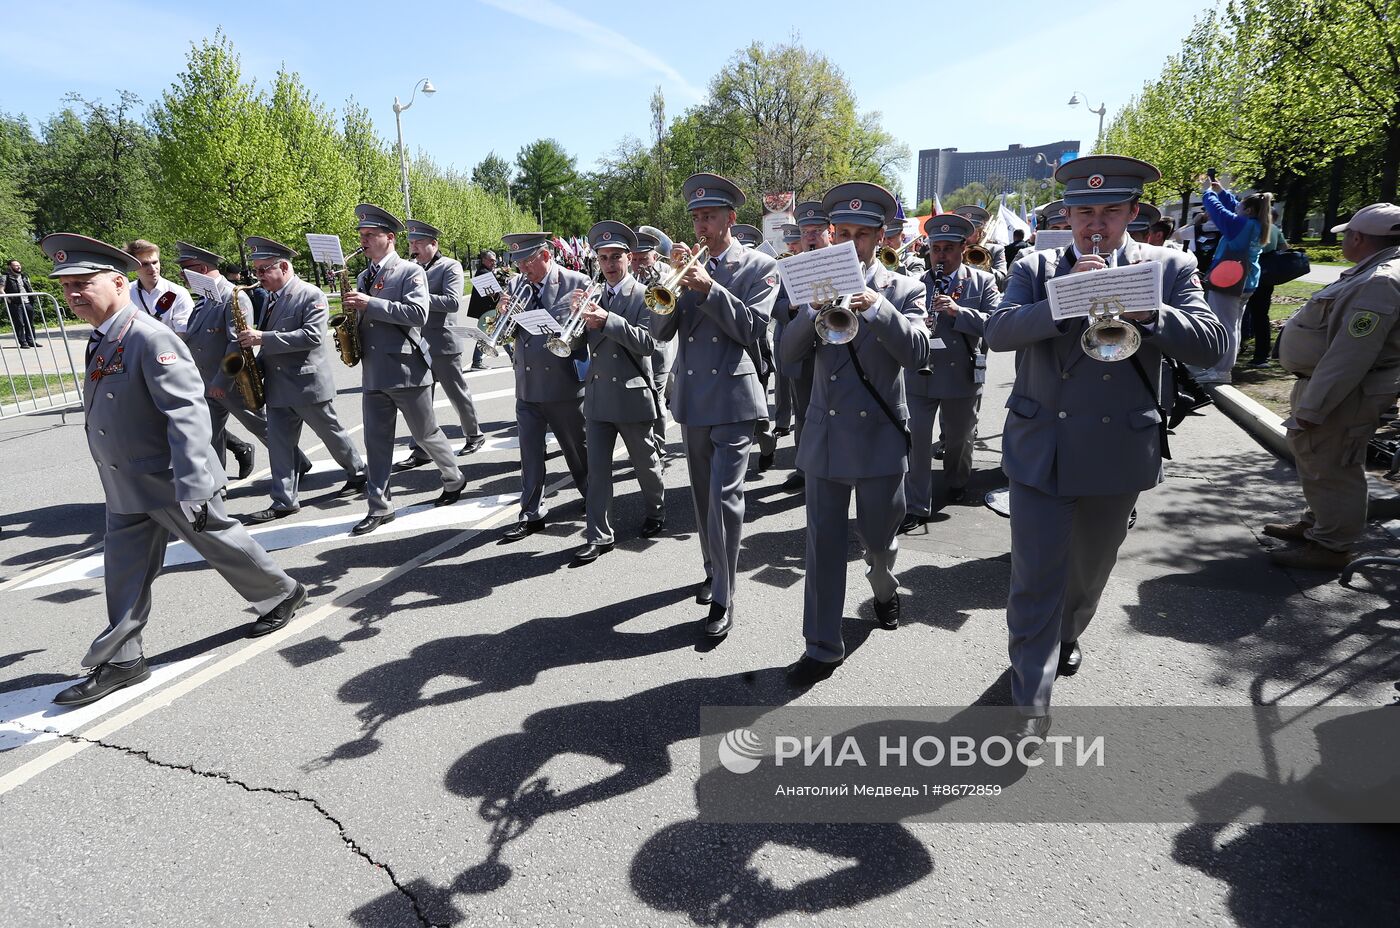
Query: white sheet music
[1127, 289]
[538, 322]
[486, 284]
[1046, 239]
[822, 275]
[202, 284]
[325, 249]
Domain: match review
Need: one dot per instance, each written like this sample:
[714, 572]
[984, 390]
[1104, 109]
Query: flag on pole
[937, 206]
[1007, 222]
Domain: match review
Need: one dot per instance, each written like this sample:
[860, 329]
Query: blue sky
[971, 75]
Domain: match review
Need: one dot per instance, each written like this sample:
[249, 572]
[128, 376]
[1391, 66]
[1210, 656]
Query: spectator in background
[1018, 245]
[20, 307]
[167, 302]
[1244, 230]
[1256, 321]
[479, 303]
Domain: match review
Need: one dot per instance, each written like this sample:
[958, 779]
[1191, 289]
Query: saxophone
[345, 325]
[241, 365]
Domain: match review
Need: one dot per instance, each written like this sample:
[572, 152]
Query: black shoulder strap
[884, 407]
[1156, 402]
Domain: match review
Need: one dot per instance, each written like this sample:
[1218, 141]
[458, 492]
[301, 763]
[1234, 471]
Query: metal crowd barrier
[41, 379]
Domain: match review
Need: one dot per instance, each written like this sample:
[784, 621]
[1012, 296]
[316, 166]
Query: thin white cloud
[618, 48]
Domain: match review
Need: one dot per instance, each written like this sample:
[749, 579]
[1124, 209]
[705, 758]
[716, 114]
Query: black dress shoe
[269, 514]
[796, 482]
[1030, 726]
[765, 461]
[280, 615]
[353, 487]
[449, 497]
[409, 463]
[653, 527]
[1070, 659]
[705, 592]
[591, 552]
[522, 528]
[245, 455]
[304, 468]
[472, 446]
[370, 523]
[957, 494]
[938, 450]
[912, 522]
[719, 621]
[101, 680]
[808, 671]
[887, 613]
[781, 431]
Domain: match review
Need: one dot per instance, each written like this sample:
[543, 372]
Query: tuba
[345, 325]
[241, 365]
[662, 296]
[1108, 337]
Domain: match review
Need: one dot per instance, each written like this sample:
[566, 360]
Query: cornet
[836, 324]
[661, 297]
[502, 326]
[1108, 337]
[562, 345]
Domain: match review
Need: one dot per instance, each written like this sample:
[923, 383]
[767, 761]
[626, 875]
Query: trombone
[562, 345]
[1108, 337]
[662, 296]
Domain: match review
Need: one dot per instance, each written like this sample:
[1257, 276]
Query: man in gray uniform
[446, 286]
[1054, 216]
[857, 437]
[980, 217]
[1147, 214]
[298, 376]
[816, 233]
[910, 264]
[548, 388]
[211, 337]
[950, 387]
[647, 265]
[782, 386]
[619, 397]
[764, 433]
[747, 235]
[391, 307]
[1083, 437]
[718, 397]
[148, 433]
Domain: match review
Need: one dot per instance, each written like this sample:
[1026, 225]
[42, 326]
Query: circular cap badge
[60, 256]
[699, 192]
[944, 227]
[855, 204]
[1064, 210]
[1095, 181]
[607, 236]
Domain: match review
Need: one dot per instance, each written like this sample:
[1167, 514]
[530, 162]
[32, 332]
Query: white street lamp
[1103, 108]
[428, 91]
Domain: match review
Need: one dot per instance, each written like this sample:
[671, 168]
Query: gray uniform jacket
[618, 389]
[716, 381]
[955, 368]
[1082, 427]
[297, 361]
[391, 338]
[210, 337]
[847, 435]
[147, 424]
[782, 315]
[542, 377]
[446, 288]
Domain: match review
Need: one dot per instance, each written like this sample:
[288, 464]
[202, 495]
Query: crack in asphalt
[281, 793]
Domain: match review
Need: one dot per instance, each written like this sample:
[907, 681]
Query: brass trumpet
[661, 297]
[835, 323]
[563, 344]
[889, 257]
[499, 323]
[1108, 337]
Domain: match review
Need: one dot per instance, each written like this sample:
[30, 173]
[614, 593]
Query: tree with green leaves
[547, 184]
[493, 174]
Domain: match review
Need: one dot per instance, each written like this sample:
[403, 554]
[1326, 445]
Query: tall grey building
[943, 170]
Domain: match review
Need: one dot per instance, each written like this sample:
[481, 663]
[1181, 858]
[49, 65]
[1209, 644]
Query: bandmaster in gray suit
[619, 397]
[446, 286]
[1083, 437]
[857, 437]
[298, 376]
[717, 397]
[210, 335]
[391, 304]
[548, 388]
[148, 432]
[958, 304]
[979, 218]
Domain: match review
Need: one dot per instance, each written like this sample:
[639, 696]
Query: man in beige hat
[1344, 348]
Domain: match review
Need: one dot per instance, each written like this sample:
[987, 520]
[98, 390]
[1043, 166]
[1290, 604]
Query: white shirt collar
[105, 327]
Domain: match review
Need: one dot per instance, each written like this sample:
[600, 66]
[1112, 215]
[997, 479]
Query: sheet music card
[486, 284]
[1046, 239]
[538, 322]
[1132, 288]
[821, 276]
[325, 249]
[202, 284]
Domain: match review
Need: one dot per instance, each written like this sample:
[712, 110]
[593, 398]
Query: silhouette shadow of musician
[61, 522]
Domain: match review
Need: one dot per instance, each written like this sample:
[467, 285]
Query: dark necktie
[271, 305]
[93, 341]
[608, 293]
[372, 273]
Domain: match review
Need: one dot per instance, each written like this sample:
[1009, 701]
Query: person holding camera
[1245, 227]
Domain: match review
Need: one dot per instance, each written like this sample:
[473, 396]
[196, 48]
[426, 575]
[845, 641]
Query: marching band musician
[1055, 216]
[1083, 437]
[856, 439]
[958, 304]
[747, 235]
[910, 264]
[718, 397]
[446, 286]
[1142, 224]
[211, 337]
[620, 397]
[816, 233]
[390, 303]
[548, 389]
[149, 434]
[651, 246]
[980, 217]
[298, 376]
[765, 434]
[782, 386]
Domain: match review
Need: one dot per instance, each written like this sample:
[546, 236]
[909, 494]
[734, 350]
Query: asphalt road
[456, 732]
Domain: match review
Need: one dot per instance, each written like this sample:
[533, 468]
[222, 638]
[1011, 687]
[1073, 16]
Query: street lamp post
[428, 91]
[1103, 108]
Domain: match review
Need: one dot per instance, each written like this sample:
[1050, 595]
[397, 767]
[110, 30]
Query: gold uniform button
[691, 338]
[714, 338]
[688, 373]
[833, 376]
[862, 413]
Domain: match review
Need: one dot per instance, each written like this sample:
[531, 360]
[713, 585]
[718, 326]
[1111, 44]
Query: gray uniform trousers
[134, 553]
[284, 433]
[565, 419]
[662, 360]
[717, 457]
[254, 422]
[802, 398]
[381, 409]
[959, 427]
[782, 401]
[1063, 549]
[880, 509]
[447, 373]
[641, 449]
